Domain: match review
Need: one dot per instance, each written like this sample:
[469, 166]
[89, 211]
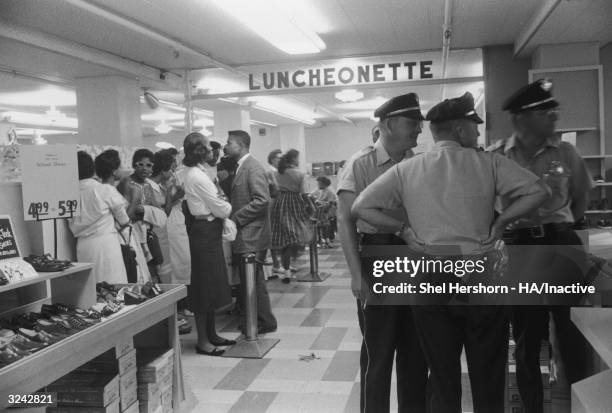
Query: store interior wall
[605, 59]
[503, 75]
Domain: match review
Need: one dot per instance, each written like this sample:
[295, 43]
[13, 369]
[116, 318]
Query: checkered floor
[317, 318]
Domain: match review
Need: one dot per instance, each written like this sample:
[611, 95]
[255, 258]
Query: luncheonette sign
[344, 72]
[344, 75]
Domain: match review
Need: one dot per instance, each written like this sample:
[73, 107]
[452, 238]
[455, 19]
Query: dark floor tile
[329, 338]
[312, 296]
[242, 375]
[253, 402]
[343, 367]
[317, 318]
[352, 405]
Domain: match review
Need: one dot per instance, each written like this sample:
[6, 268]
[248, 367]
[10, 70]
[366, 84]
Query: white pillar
[292, 137]
[237, 118]
[108, 109]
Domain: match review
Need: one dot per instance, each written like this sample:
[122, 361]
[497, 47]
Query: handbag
[229, 230]
[129, 257]
[157, 258]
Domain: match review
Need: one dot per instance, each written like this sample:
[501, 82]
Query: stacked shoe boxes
[118, 363]
[155, 380]
[514, 398]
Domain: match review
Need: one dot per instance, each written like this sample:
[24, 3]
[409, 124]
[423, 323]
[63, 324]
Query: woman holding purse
[205, 211]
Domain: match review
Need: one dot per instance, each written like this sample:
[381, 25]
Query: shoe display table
[151, 323]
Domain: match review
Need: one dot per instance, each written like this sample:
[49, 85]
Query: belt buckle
[537, 232]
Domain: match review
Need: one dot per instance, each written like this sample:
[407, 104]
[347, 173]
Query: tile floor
[317, 318]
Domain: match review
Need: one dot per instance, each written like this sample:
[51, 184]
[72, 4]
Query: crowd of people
[193, 223]
[528, 189]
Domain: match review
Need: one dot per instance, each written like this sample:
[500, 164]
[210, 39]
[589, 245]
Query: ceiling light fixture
[277, 22]
[164, 145]
[349, 95]
[163, 128]
[260, 123]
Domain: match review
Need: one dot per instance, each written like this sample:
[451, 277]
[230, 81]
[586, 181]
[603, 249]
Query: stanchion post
[250, 299]
[250, 346]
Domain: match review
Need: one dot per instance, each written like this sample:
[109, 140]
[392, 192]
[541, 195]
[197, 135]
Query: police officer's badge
[546, 85]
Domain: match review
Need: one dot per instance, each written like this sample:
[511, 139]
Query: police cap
[456, 108]
[405, 105]
[534, 96]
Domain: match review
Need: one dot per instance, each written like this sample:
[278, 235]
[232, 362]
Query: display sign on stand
[50, 176]
[50, 183]
[12, 268]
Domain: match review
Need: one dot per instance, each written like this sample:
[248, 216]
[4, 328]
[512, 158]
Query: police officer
[533, 146]
[386, 330]
[449, 195]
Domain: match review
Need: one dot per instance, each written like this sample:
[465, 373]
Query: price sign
[8, 241]
[50, 181]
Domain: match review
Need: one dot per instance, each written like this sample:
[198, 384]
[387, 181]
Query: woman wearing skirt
[205, 211]
[290, 215]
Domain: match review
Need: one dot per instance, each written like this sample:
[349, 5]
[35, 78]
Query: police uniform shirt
[560, 167]
[361, 170]
[449, 192]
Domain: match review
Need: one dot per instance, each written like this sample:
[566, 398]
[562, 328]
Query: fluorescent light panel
[278, 22]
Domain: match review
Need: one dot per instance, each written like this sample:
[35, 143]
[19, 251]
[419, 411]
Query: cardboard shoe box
[134, 408]
[113, 407]
[86, 389]
[154, 364]
[128, 389]
[108, 363]
[146, 391]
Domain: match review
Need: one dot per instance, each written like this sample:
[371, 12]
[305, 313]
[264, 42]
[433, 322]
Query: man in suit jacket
[250, 197]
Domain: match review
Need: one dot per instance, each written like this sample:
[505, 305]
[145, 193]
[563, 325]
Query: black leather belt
[381, 239]
[539, 231]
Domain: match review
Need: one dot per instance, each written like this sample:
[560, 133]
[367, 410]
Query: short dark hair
[162, 161]
[195, 149]
[215, 145]
[173, 151]
[273, 155]
[107, 163]
[324, 180]
[243, 137]
[289, 158]
[141, 154]
[86, 165]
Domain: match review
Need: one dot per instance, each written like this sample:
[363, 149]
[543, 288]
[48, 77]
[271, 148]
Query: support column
[108, 109]
[230, 119]
[292, 137]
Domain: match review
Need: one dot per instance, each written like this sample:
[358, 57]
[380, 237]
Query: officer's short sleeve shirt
[361, 170]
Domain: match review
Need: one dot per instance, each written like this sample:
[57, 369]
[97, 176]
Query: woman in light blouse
[205, 211]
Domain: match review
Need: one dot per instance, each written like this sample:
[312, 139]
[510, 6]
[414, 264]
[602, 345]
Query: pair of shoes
[223, 342]
[213, 352]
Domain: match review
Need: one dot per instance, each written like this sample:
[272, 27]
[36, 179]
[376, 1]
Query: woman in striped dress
[290, 215]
